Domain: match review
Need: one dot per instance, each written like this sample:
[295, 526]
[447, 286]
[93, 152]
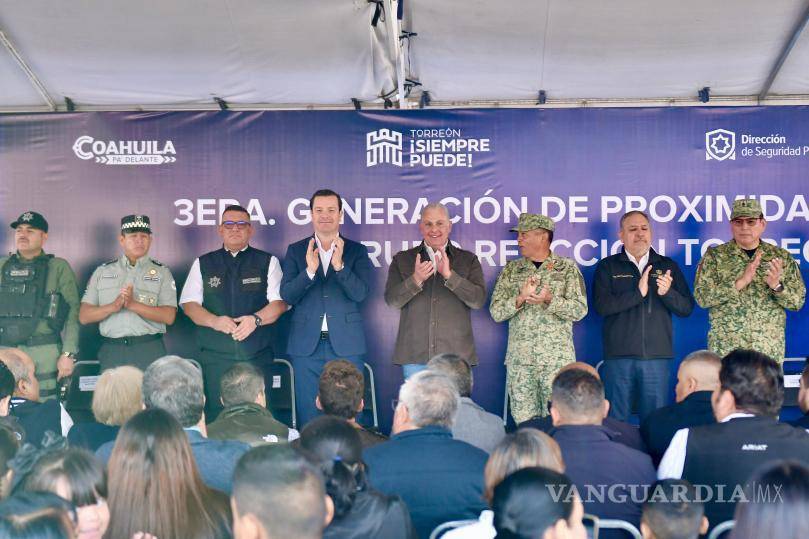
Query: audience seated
[36, 515]
[619, 431]
[340, 390]
[175, 385]
[747, 435]
[537, 502]
[155, 486]
[278, 494]
[473, 424]
[697, 378]
[803, 400]
[778, 503]
[593, 460]
[7, 386]
[116, 398]
[525, 448]
[673, 511]
[78, 477]
[246, 417]
[359, 511]
[35, 417]
[438, 477]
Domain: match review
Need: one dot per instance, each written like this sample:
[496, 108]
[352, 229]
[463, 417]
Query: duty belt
[37, 340]
[129, 341]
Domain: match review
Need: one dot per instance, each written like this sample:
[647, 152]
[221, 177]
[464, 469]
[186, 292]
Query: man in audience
[619, 431]
[277, 494]
[440, 479]
[593, 461]
[246, 417]
[747, 435]
[34, 416]
[803, 400]
[174, 384]
[340, 392]
[7, 385]
[473, 424]
[435, 285]
[673, 511]
[697, 379]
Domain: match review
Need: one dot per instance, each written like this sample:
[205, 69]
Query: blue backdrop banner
[582, 167]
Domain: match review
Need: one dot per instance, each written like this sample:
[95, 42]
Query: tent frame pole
[394, 29]
[32, 77]
[796, 33]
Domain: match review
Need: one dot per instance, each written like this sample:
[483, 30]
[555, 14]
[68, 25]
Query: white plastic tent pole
[793, 38]
[28, 72]
[394, 30]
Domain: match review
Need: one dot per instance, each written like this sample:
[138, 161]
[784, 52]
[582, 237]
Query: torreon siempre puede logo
[125, 152]
[383, 146]
[720, 144]
[442, 147]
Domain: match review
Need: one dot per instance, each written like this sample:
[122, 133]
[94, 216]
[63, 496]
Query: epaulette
[156, 263]
[113, 261]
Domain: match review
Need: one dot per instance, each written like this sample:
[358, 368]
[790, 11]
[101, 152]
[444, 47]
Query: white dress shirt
[671, 467]
[435, 256]
[325, 261]
[640, 264]
[192, 290]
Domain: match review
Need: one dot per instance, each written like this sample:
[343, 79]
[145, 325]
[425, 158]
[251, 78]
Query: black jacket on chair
[661, 425]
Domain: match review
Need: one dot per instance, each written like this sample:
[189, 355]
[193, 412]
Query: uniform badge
[151, 275]
[270, 438]
[214, 282]
[27, 216]
[658, 272]
[151, 301]
[109, 276]
[550, 265]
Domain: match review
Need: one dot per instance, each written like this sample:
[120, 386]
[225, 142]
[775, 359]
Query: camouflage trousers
[529, 388]
[45, 357]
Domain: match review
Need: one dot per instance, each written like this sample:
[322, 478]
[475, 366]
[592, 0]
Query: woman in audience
[359, 511]
[155, 486]
[537, 502]
[521, 449]
[778, 503]
[78, 477]
[36, 515]
[9, 444]
[116, 398]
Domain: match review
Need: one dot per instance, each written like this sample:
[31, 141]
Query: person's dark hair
[9, 445]
[241, 384]
[778, 504]
[550, 236]
[37, 515]
[805, 375]
[7, 382]
[457, 369]
[282, 490]
[326, 193]
[234, 207]
[337, 449]
[155, 486]
[629, 214]
[755, 380]
[341, 388]
[578, 393]
[673, 510]
[76, 468]
[175, 385]
[531, 500]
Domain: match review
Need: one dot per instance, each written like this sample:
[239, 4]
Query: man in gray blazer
[435, 285]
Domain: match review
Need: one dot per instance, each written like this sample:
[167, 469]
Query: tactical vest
[235, 286]
[25, 300]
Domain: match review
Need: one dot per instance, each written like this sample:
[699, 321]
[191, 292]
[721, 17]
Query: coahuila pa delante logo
[445, 147]
[720, 144]
[125, 152]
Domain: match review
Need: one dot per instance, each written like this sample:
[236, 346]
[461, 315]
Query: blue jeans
[645, 379]
[409, 369]
[307, 378]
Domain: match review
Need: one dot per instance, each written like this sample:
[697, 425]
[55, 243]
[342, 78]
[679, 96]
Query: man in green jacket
[39, 303]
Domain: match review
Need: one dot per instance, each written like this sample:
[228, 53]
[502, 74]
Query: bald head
[580, 365]
[22, 367]
[699, 371]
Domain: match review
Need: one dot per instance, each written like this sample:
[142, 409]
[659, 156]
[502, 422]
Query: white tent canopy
[325, 53]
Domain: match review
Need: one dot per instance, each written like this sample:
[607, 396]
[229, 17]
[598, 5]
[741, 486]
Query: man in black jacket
[636, 291]
[697, 379]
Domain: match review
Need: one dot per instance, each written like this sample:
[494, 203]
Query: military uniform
[54, 308]
[540, 337]
[754, 316]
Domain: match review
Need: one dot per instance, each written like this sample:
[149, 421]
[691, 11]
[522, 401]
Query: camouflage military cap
[532, 221]
[32, 219]
[746, 208]
[135, 223]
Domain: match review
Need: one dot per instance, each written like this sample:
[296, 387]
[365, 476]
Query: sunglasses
[238, 225]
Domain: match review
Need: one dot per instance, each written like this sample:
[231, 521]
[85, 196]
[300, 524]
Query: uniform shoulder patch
[157, 263]
[108, 262]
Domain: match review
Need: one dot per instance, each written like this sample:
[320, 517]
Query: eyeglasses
[753, 221]
[238, 225]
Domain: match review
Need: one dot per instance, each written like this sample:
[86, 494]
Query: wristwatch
[71, 355]
[341, 267]
[257, 319]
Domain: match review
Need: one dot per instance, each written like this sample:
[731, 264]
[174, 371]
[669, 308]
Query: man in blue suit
[326, 278]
